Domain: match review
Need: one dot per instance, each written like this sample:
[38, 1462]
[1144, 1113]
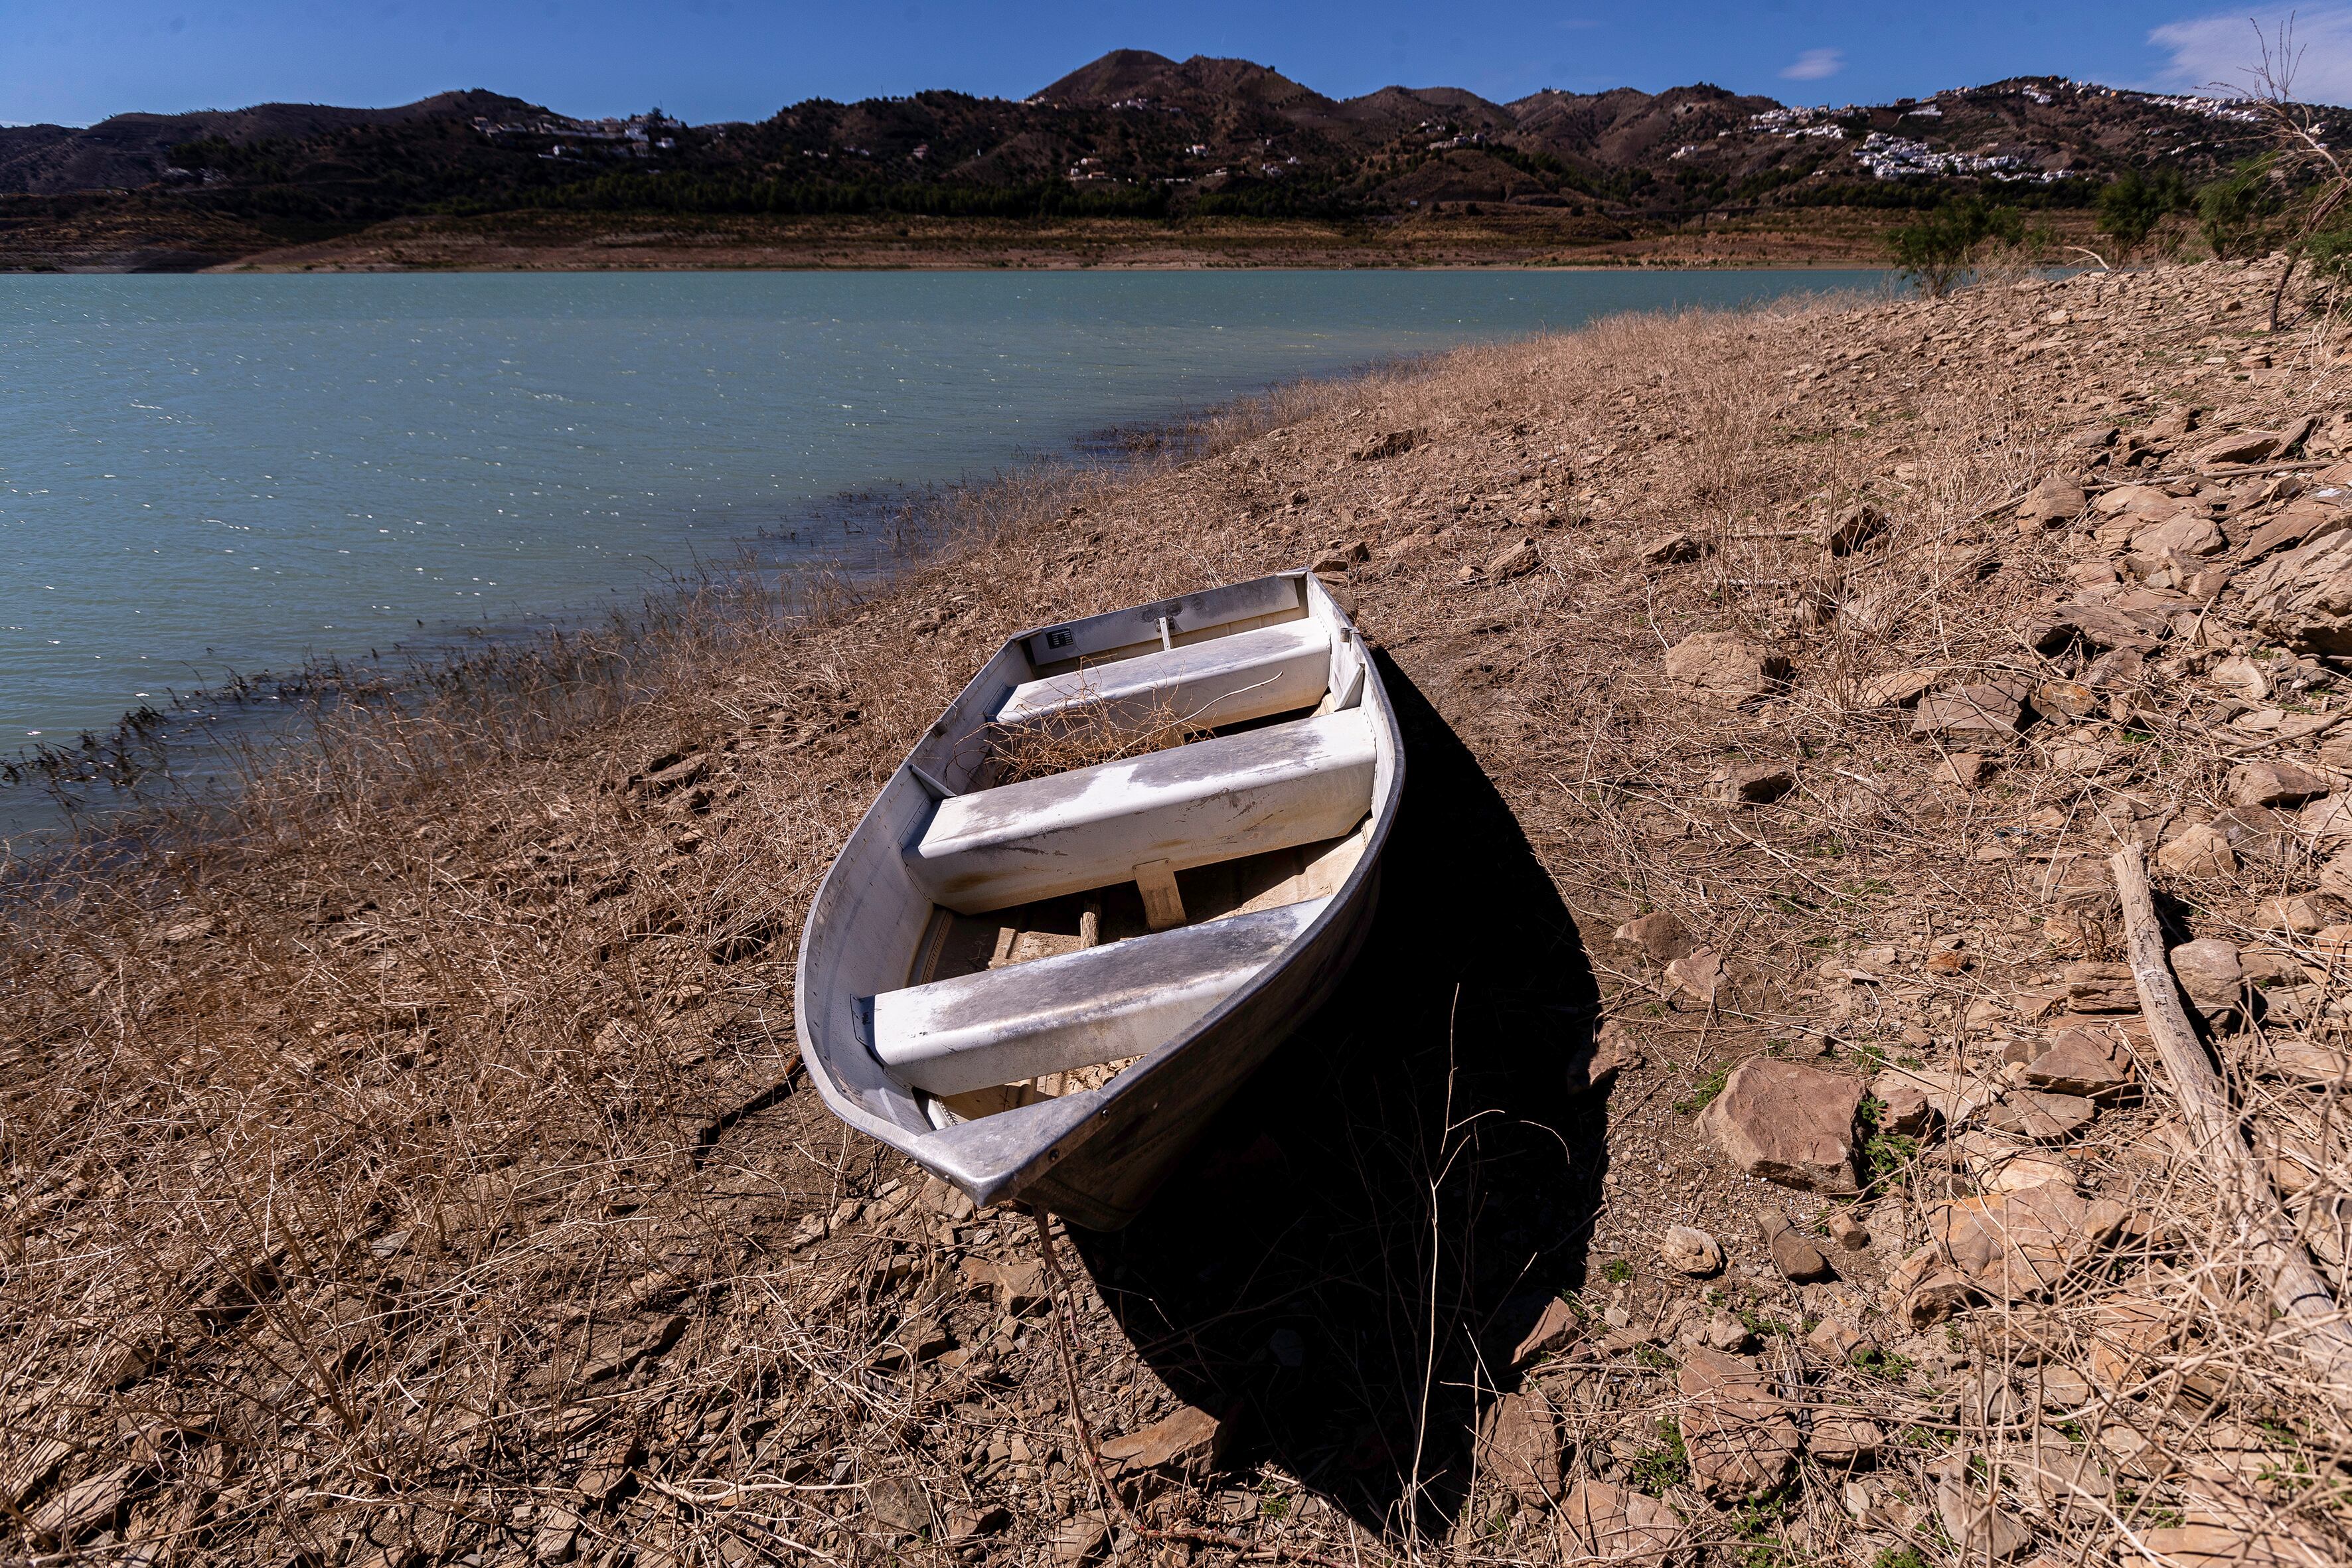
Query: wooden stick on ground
[2297, 1291]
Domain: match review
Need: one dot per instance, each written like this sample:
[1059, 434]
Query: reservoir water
[200, 475]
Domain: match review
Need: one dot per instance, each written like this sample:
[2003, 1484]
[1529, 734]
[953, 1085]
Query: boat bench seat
[1226, 681]
[1196, 805]
[1075, 1009]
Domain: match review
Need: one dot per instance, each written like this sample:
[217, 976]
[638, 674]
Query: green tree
[1937, 248]
[2133, 203]
[2244, 213]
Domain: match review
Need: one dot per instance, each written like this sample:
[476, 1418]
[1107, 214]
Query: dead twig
[2295, 1287]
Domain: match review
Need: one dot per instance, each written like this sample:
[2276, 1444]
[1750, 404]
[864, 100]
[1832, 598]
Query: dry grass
[421, 1169]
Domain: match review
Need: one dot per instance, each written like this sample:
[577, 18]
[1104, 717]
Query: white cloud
[1815, 64]
[2223, 51]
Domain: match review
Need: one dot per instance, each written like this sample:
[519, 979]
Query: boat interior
[1131, 817]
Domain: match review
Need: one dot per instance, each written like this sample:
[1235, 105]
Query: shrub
[2133, 203]
[1939, 247]
[2242, 213]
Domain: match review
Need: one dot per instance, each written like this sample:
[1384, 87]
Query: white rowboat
[1041, 989]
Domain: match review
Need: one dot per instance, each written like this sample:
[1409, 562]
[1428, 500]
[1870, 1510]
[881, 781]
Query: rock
[1918, 1098]
[1615, 1525]
[1518, 1442]
[82, 1506]
[1852, 528]
[2064, 699]
[2092, 987]
[1674, 549]
[1725, 667]
[1847, 1231]
[919, 1338]
[1970, 710]
[1557, 1327]
[2186, 534]
[1998, 1164]
[1517, 561]
[2077, 1061]
[1722, 1331]
[2273, 783]
[1896, 687]
[1017, 1284]
[2127, 1334]
[897, 1504]
[1966, 769]
[947, 1200]
[556, 1538]
[1793, 1254]
[1660, 937]
[2329, 818]
[1075, 1539]
[1698, 973]
[2241, 677]
[2093, 625]
[2307, 1063]
[2239, 447]
[1688, 1250]
[189, 930]
[2013, 1246]
[2227, 1546]
[970, 1524]
[2209, 969]
[2199, 851]
[2040, 1116]
[610, 1470]
[2302, 598]
[1594, 1064]
[1903, 1105]
[1837, 1338]
[1787, 1122]
[1843, 1437]
[1388, 444]
[2081, 759]
[1982, 1530]
[1922, 1289]
[1738, 1434]
[2057, 499]
[1188, 1443]
[1753, 784]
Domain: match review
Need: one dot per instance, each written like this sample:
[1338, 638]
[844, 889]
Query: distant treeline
[636, 193]
[644, 192]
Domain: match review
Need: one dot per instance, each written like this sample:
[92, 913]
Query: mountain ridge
[1135, 133]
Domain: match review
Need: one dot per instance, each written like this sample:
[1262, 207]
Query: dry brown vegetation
[423, 1171]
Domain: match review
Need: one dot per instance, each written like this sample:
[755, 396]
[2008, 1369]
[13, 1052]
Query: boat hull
[1094, 1156]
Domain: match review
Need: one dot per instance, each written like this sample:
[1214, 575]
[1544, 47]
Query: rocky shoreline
[1742, 1139]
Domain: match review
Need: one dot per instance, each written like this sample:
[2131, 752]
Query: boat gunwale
[1052, 1129]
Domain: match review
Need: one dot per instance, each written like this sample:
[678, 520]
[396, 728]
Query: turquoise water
[207, 474]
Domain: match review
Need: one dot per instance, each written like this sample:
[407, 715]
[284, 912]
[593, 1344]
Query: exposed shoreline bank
[493, 1005]
[1531, 237]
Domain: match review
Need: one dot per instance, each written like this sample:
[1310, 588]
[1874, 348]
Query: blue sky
[74, 61]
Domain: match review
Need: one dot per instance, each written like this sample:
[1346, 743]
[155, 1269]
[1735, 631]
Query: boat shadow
[1342, 1265]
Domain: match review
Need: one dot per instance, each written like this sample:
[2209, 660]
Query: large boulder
[1788, 1123]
